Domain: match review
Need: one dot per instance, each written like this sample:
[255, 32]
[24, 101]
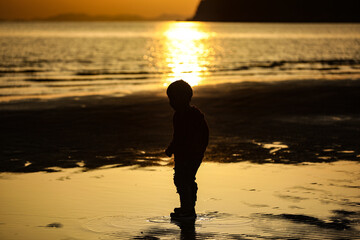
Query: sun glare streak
[186, 52]
[186, 31]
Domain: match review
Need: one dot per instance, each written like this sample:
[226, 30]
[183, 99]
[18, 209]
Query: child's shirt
[191, 134]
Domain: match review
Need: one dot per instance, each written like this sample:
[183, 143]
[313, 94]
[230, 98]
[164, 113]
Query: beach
[305, 121]
[282, 163]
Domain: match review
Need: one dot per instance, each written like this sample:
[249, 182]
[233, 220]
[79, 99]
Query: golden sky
[27, 9]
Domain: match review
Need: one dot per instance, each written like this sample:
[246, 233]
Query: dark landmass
[318, 120]
[278, 11]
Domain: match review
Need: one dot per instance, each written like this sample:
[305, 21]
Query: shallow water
[50, 60]
[236, 201]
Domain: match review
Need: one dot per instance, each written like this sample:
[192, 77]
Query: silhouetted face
[179, 103]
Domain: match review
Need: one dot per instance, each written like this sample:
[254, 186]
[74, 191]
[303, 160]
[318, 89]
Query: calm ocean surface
[53, 59]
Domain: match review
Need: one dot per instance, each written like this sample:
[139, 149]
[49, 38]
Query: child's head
[179, 93]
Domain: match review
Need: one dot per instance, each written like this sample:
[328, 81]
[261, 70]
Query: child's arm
[170, 149]
[205, 135]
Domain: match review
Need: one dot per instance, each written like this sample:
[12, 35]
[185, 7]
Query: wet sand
[281, 122]
[236, 201]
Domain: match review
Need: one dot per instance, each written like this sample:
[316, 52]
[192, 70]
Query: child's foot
[180, 214]
[177, 210]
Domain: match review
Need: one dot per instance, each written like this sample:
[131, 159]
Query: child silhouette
[190, 139]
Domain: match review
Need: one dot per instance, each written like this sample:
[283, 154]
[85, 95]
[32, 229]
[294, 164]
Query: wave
[6, 71]
[281, 66]
[91, 85]
[52, 80]
[13, 86]
[106, 72]
[322, 65]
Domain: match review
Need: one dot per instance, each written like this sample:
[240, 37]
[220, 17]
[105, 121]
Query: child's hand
[168, 152]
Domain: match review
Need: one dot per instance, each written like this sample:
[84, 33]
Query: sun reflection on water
[186, 55]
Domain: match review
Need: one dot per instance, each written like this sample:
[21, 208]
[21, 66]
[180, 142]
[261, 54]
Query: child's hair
[180, 90]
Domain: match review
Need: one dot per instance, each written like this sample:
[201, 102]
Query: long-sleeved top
[191, 134]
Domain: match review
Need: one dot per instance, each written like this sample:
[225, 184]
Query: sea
[47, 60]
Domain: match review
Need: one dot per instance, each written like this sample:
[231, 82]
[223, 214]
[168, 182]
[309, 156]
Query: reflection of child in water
[190, 139]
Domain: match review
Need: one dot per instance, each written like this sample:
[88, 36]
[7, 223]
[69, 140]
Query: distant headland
[278, 11]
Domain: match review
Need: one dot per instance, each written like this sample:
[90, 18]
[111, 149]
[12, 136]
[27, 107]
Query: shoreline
[159, 90]
[157, 87]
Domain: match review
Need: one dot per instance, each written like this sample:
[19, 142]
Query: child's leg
[194, 189]
[181, 186]
[184, 179]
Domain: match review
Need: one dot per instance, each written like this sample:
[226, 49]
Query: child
[190, 139]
